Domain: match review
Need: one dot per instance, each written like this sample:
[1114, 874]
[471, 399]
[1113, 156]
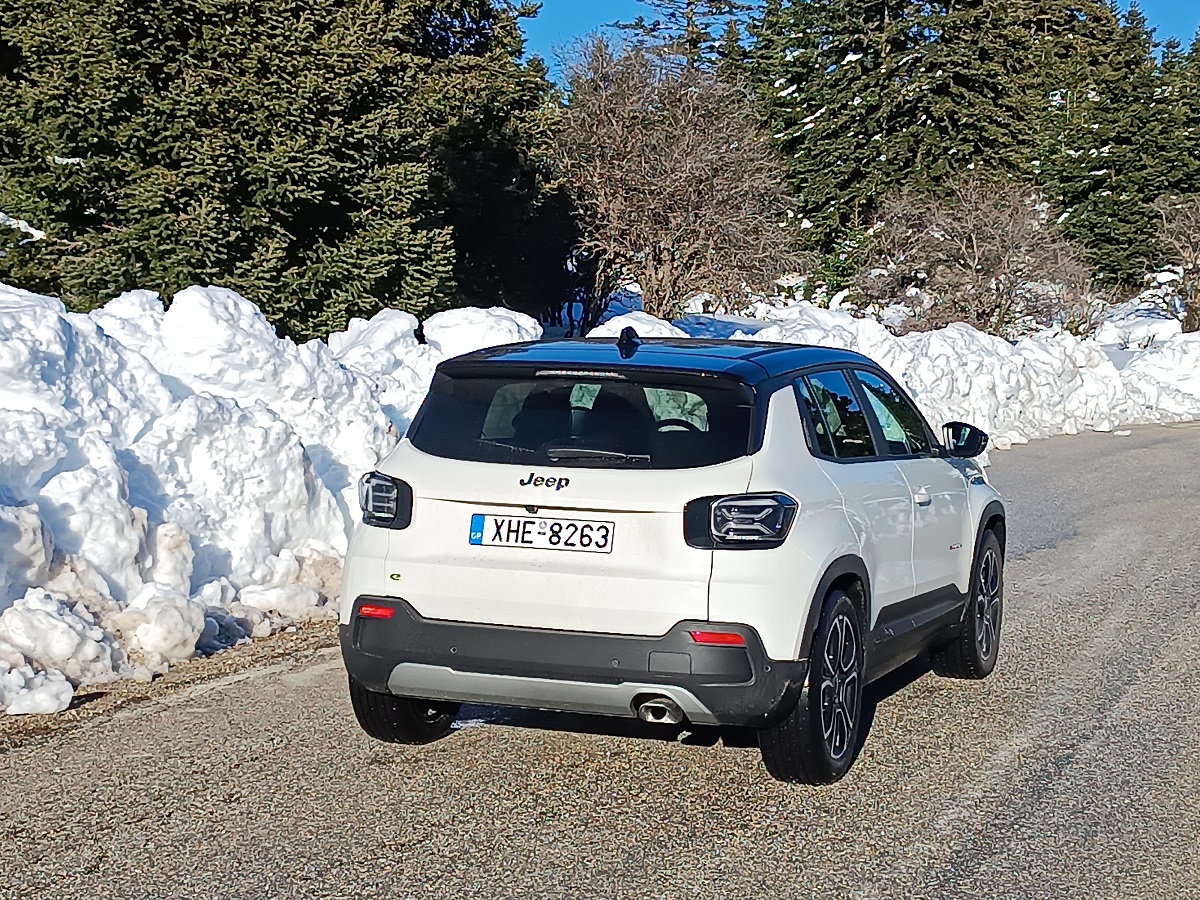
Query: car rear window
[586, 420]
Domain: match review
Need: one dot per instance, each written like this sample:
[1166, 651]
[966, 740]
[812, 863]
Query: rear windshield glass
[584, 421]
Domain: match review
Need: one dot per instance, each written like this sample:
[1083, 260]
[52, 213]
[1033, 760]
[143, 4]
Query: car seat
[544, 417]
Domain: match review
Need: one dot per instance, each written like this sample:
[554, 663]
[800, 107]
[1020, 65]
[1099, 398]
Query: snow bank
[1165, 379]
[1049, 384]
[180, 479]
[176, 480]
[386, 352]
[644, 324]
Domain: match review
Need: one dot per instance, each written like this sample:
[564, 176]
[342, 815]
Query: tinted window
[820, 433]
[569, 421]
[903, 430]
[841, 415]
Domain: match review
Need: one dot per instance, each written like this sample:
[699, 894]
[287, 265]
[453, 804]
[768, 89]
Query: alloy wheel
[987, 605]
[841, 687]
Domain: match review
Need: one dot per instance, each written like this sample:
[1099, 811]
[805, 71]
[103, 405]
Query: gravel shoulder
[100, 701]
[1073, 772]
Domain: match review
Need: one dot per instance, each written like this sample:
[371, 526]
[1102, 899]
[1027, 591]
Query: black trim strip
[905, 629]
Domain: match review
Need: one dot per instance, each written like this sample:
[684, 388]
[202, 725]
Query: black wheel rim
[841, 684]
[987, 605]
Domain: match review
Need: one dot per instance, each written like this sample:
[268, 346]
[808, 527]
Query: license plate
[579, 535]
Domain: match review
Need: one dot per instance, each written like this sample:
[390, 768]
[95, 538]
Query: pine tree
[868, 96]
[1114, 136]
[315, 155]
[696, 32]
[871, 96]
[834, 76]
[966, 106]
[1180, 100]
[732, 56]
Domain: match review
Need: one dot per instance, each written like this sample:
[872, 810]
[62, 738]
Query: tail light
[386, 502]
[742, 522]
[718, 638]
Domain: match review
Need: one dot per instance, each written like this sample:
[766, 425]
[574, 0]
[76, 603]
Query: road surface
[1073, 772]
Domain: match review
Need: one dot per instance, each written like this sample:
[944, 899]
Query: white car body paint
[650, 581]
[867, 509]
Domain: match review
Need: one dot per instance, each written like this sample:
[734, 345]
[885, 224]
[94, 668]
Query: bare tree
[677, 188]
[985, 252]
[1180, 234]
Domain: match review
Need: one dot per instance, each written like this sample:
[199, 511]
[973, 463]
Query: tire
[401, 720]
[973, 654]
[819, 740]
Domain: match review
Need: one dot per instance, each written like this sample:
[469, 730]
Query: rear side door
[876, 496]
[938, 490]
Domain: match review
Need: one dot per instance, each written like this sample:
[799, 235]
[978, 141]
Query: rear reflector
[370, 611]
[719, 638]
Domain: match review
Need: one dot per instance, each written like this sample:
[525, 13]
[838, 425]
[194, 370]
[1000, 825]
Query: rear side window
[903, 430]
[824, 445]
[838, 410]
[636, 422]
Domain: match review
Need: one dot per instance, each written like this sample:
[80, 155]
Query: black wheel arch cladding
[840, 572]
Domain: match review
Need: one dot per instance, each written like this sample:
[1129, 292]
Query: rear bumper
[409, 655]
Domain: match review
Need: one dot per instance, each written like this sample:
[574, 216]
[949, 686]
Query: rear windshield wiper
[561, 454]
[511, 448]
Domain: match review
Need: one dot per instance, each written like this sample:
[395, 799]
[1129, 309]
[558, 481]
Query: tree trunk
[1191, 303]
[660, 287]
[1191, 317]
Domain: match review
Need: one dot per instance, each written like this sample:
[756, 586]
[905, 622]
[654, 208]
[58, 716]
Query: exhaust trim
[660, 710]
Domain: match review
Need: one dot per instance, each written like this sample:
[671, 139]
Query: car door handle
[922, 497]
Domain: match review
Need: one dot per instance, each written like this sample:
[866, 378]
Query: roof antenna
[628, 342]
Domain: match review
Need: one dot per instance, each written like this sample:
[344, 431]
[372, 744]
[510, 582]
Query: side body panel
[879, 507]
[939, 516]
[773, 590]
[983, 501]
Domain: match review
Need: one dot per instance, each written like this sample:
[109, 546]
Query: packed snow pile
[1053, 383]
[178, 480]
[385, 349]
[174, 481]
[646, 326]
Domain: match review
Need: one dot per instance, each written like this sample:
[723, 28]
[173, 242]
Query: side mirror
[964, 441]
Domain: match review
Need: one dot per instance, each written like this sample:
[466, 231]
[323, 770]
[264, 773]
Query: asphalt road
[1073, 772]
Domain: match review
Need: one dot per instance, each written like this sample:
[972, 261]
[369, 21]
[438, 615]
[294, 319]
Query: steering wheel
[681, 423]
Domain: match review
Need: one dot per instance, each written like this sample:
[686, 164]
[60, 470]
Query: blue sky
[561, 20]
[1180, 18]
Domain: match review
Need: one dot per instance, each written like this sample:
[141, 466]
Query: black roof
[748, 361]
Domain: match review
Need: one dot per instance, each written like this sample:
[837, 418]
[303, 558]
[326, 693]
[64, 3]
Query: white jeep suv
[686, 531]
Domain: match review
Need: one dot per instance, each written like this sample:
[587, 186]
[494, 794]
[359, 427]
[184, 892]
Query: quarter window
[841, 415]
[820, 431]
[903, 431]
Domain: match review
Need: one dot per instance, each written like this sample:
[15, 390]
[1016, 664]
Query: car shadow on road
[879, 692]
[473, 716]
[610, 726]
